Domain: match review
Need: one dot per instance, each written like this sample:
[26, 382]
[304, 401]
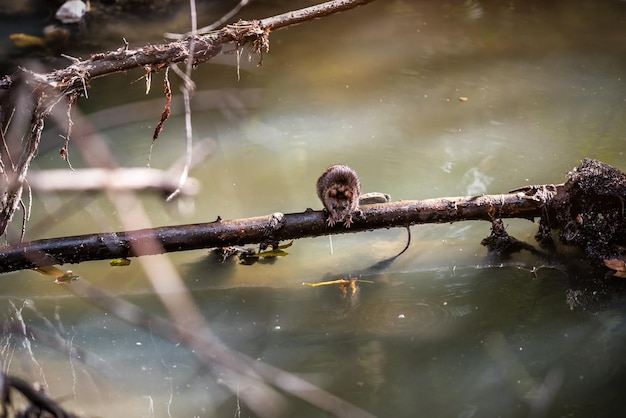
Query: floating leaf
[618, 265]
[338, 281]
[271, 253]
[119, 262]
[276, 252]
[374, 197]
[60, 276]
[615, 264]
[344, 285]
[68, 277]
[23, 40]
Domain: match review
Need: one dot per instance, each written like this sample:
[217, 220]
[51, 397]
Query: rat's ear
[348, 195]
[332, 192]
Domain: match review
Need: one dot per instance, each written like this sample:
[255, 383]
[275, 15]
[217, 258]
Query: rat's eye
[333, 206]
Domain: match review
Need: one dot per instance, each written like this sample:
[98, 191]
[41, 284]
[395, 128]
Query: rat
[339, 189]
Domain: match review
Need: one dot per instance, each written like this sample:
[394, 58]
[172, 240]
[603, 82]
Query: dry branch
[48, 89]
[588, 210]
[73, 79]
[268, 229]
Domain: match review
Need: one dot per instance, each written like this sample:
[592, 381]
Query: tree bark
[270, 229]
[587, 210]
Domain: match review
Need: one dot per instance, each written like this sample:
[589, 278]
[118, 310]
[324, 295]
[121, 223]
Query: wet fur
[339, 189]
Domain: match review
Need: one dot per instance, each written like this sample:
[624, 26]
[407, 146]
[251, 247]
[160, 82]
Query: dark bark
[587, 210]
[38, 403]
[268, 229]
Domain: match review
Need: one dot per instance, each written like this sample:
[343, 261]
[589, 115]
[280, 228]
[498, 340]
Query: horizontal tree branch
[313, 12]
[153, 58]
[269, 229]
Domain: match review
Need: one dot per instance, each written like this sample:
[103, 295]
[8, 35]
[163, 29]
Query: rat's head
[340, 203]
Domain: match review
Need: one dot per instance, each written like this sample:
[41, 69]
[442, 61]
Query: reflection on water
[479, 341]
[380, 90]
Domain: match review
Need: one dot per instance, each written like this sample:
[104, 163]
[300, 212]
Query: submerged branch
[269, 229]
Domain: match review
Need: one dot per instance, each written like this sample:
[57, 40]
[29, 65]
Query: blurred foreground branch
[234, 368]
[98, 179]
[47, 89]
[38, 403]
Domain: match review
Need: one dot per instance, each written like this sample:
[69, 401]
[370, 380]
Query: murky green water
[440, 332]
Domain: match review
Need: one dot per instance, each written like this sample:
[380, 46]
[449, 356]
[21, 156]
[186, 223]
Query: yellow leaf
[23, 40]
[271, 253]
[119, 262]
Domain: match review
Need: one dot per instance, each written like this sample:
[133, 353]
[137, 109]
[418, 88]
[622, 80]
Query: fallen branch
[588, 210]
[269, 229]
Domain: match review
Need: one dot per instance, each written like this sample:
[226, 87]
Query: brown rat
[339, 189]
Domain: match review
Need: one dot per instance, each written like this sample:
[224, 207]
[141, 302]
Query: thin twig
[165, 113]
[4, 143]
[187, 89]
[13, 193]
[65, 151]
[206, 29]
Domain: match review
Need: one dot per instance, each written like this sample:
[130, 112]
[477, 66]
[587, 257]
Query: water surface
[423, 99]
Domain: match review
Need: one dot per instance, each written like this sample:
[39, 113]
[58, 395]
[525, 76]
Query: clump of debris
[588, 213]
[590, 210]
